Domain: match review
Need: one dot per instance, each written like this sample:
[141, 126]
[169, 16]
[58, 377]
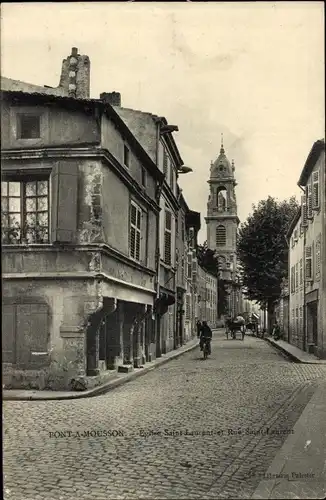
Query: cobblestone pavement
[243, 389]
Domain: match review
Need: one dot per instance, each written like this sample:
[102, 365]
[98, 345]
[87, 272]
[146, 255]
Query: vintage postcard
[163, 215]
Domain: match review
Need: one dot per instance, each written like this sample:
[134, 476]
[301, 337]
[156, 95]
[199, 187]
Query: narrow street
[58, 450]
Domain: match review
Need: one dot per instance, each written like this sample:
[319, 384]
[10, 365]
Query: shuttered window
[309, 201]
[189, 272]
[220, 236]
[301, 272]
[308, 266]
[296, 276]
[304, 213]
[168, 238]
[188, 307]
[135, 231]
[165, 163]
[315, 190]
[64, 195]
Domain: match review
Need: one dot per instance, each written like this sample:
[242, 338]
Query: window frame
[218, 244]
[19, 126]
[23, 180]
[16, 110]
[308, 260]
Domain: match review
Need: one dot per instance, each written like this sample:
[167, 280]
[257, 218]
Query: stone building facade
[91, 213]
[156, 136]
[80, 218]
[307, 244]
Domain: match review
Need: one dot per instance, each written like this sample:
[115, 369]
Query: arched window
[220, 236]
[221, 199]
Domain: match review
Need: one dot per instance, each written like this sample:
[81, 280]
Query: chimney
[113, 98]
[75, 75]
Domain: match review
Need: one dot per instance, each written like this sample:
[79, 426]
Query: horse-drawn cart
[235, 326]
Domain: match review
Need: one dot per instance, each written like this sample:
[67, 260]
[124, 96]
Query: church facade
[222, 226]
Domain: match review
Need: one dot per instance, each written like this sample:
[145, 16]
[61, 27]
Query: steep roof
[8, 84]
[313, 156]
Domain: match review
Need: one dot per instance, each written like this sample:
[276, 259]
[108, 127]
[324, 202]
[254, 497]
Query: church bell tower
[222, 220]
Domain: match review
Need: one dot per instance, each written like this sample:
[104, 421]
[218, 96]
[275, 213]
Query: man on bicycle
[205, 336]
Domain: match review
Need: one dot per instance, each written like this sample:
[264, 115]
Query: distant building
[207, 297]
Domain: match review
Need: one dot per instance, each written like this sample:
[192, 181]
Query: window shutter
[309, 202]
[165, 163]
[167, 247]
[315, 190]
[308, 263]
[64, 185]
[304, 211]
[189, 262]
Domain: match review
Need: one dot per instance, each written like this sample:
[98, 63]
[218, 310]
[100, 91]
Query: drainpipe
[304, 282]
[159, 188]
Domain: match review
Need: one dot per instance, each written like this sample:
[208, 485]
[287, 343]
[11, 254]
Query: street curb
[284, 351]
[108, 386]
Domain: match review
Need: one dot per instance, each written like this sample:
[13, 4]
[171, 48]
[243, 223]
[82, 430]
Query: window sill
[7, 246]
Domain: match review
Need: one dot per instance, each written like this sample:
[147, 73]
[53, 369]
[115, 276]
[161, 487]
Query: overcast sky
[254, 71]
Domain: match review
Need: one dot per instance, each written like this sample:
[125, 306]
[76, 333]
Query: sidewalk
[299, 468]
[119, 379]
[295, 353]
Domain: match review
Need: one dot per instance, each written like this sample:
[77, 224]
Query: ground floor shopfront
[70, 333]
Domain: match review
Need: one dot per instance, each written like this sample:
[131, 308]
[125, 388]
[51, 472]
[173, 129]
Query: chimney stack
[113, 98]
[75, 75]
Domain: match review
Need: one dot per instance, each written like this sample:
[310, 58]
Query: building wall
[143, 127]
[296, 289]
[316, 286]
[51, 290]
[58, 126]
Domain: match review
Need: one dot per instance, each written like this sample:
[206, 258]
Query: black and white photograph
[163, 237]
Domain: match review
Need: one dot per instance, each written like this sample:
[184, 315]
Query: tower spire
[222, 147]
